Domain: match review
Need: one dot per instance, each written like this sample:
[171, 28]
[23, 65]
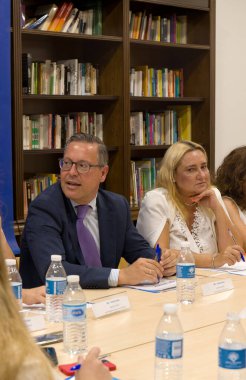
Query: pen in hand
[158, 253]
[235, 242]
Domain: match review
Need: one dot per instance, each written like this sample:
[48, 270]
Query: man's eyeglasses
[81, 166]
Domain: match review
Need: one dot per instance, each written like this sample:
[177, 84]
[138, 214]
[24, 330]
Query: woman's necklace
[190, 204]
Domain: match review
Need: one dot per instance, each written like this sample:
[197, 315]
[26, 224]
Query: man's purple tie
[86, 240]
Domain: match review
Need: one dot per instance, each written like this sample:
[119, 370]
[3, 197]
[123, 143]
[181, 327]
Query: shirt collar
[92, 203]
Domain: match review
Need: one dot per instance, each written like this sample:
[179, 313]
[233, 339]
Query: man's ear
[104, 173]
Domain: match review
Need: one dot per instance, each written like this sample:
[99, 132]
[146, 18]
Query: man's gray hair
[91, 139]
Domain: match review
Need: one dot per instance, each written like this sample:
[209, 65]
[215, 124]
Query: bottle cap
[56, 258]
[232, 316]
[73, 278]
[10, 262]
[185, 244]
[170, 308]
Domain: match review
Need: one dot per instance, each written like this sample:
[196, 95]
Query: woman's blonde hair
[16, 344]
[169, 165]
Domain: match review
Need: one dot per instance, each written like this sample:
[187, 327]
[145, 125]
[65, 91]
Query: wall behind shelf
[230, 121]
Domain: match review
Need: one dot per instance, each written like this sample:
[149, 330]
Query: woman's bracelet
[212, 262]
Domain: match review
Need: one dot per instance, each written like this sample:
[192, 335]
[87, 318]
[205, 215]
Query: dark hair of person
[231, 175]
[91, 139]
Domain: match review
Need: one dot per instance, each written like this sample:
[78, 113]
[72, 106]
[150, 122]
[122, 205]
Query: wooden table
[129, 336]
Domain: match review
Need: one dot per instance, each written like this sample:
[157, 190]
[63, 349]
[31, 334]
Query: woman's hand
[207, 199]
[92, 368]
[230, 256]
[168, 261]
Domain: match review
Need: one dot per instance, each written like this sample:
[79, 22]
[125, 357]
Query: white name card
[217, 287]
[110, 306]
[35, 322]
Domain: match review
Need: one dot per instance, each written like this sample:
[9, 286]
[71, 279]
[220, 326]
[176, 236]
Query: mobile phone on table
[111, 366]
[50, 352]
[44, 339]
[66, 368]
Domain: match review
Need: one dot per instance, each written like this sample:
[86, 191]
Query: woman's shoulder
[159, 192]
[156, 199]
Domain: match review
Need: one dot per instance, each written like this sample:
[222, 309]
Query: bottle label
[17, 289]
[232, 359]
[185, 271]
[168, 349]
[74, 313]
[55, 286]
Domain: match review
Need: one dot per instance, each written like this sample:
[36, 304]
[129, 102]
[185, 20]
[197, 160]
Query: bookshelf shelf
[98, 98]
[169, 45]
[38, 152]
[186, 4]
[59, 35]
[155, 99]
[115, 54]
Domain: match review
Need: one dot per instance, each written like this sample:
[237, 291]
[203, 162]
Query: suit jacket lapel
[107, 231]
[72, 218]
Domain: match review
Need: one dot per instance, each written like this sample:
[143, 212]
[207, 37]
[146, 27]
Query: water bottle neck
[74, 286]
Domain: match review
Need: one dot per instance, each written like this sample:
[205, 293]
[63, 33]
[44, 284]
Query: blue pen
[235, 242]
[158, 253]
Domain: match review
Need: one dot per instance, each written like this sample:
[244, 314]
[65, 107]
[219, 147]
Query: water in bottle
[169, 346]
[74, 317]
[15, 279]
[55, 286]
[232, 350]
[185, 273]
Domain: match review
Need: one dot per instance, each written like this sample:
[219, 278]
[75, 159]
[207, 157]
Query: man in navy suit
[51, 225]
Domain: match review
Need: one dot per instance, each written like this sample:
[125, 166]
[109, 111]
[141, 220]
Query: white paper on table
[163, 284]
[237, 268]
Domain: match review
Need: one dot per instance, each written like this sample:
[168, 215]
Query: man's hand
[34, 295]
[140, 271]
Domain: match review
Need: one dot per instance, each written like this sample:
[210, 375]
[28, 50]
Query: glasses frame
[89, 166]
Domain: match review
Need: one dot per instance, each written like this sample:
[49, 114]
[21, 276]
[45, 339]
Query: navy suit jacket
[51, 229]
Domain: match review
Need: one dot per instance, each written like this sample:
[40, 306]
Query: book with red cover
[59, 14]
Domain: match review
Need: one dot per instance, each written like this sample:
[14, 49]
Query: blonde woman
[186, 207]
[21, 357]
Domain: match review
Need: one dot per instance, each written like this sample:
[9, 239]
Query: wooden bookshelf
[115, 53]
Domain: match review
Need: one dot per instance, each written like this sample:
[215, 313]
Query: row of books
[142, 179]
[164, 82]
[172, 28]
[34, 186]
[64, 77]
[65, 18]
[160, 128]
[51, 131]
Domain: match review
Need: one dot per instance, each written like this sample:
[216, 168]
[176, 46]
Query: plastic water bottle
[169, 345]
[56, 282]
[185, 273]
[74, 317]
[15, 279]
[232, 350]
